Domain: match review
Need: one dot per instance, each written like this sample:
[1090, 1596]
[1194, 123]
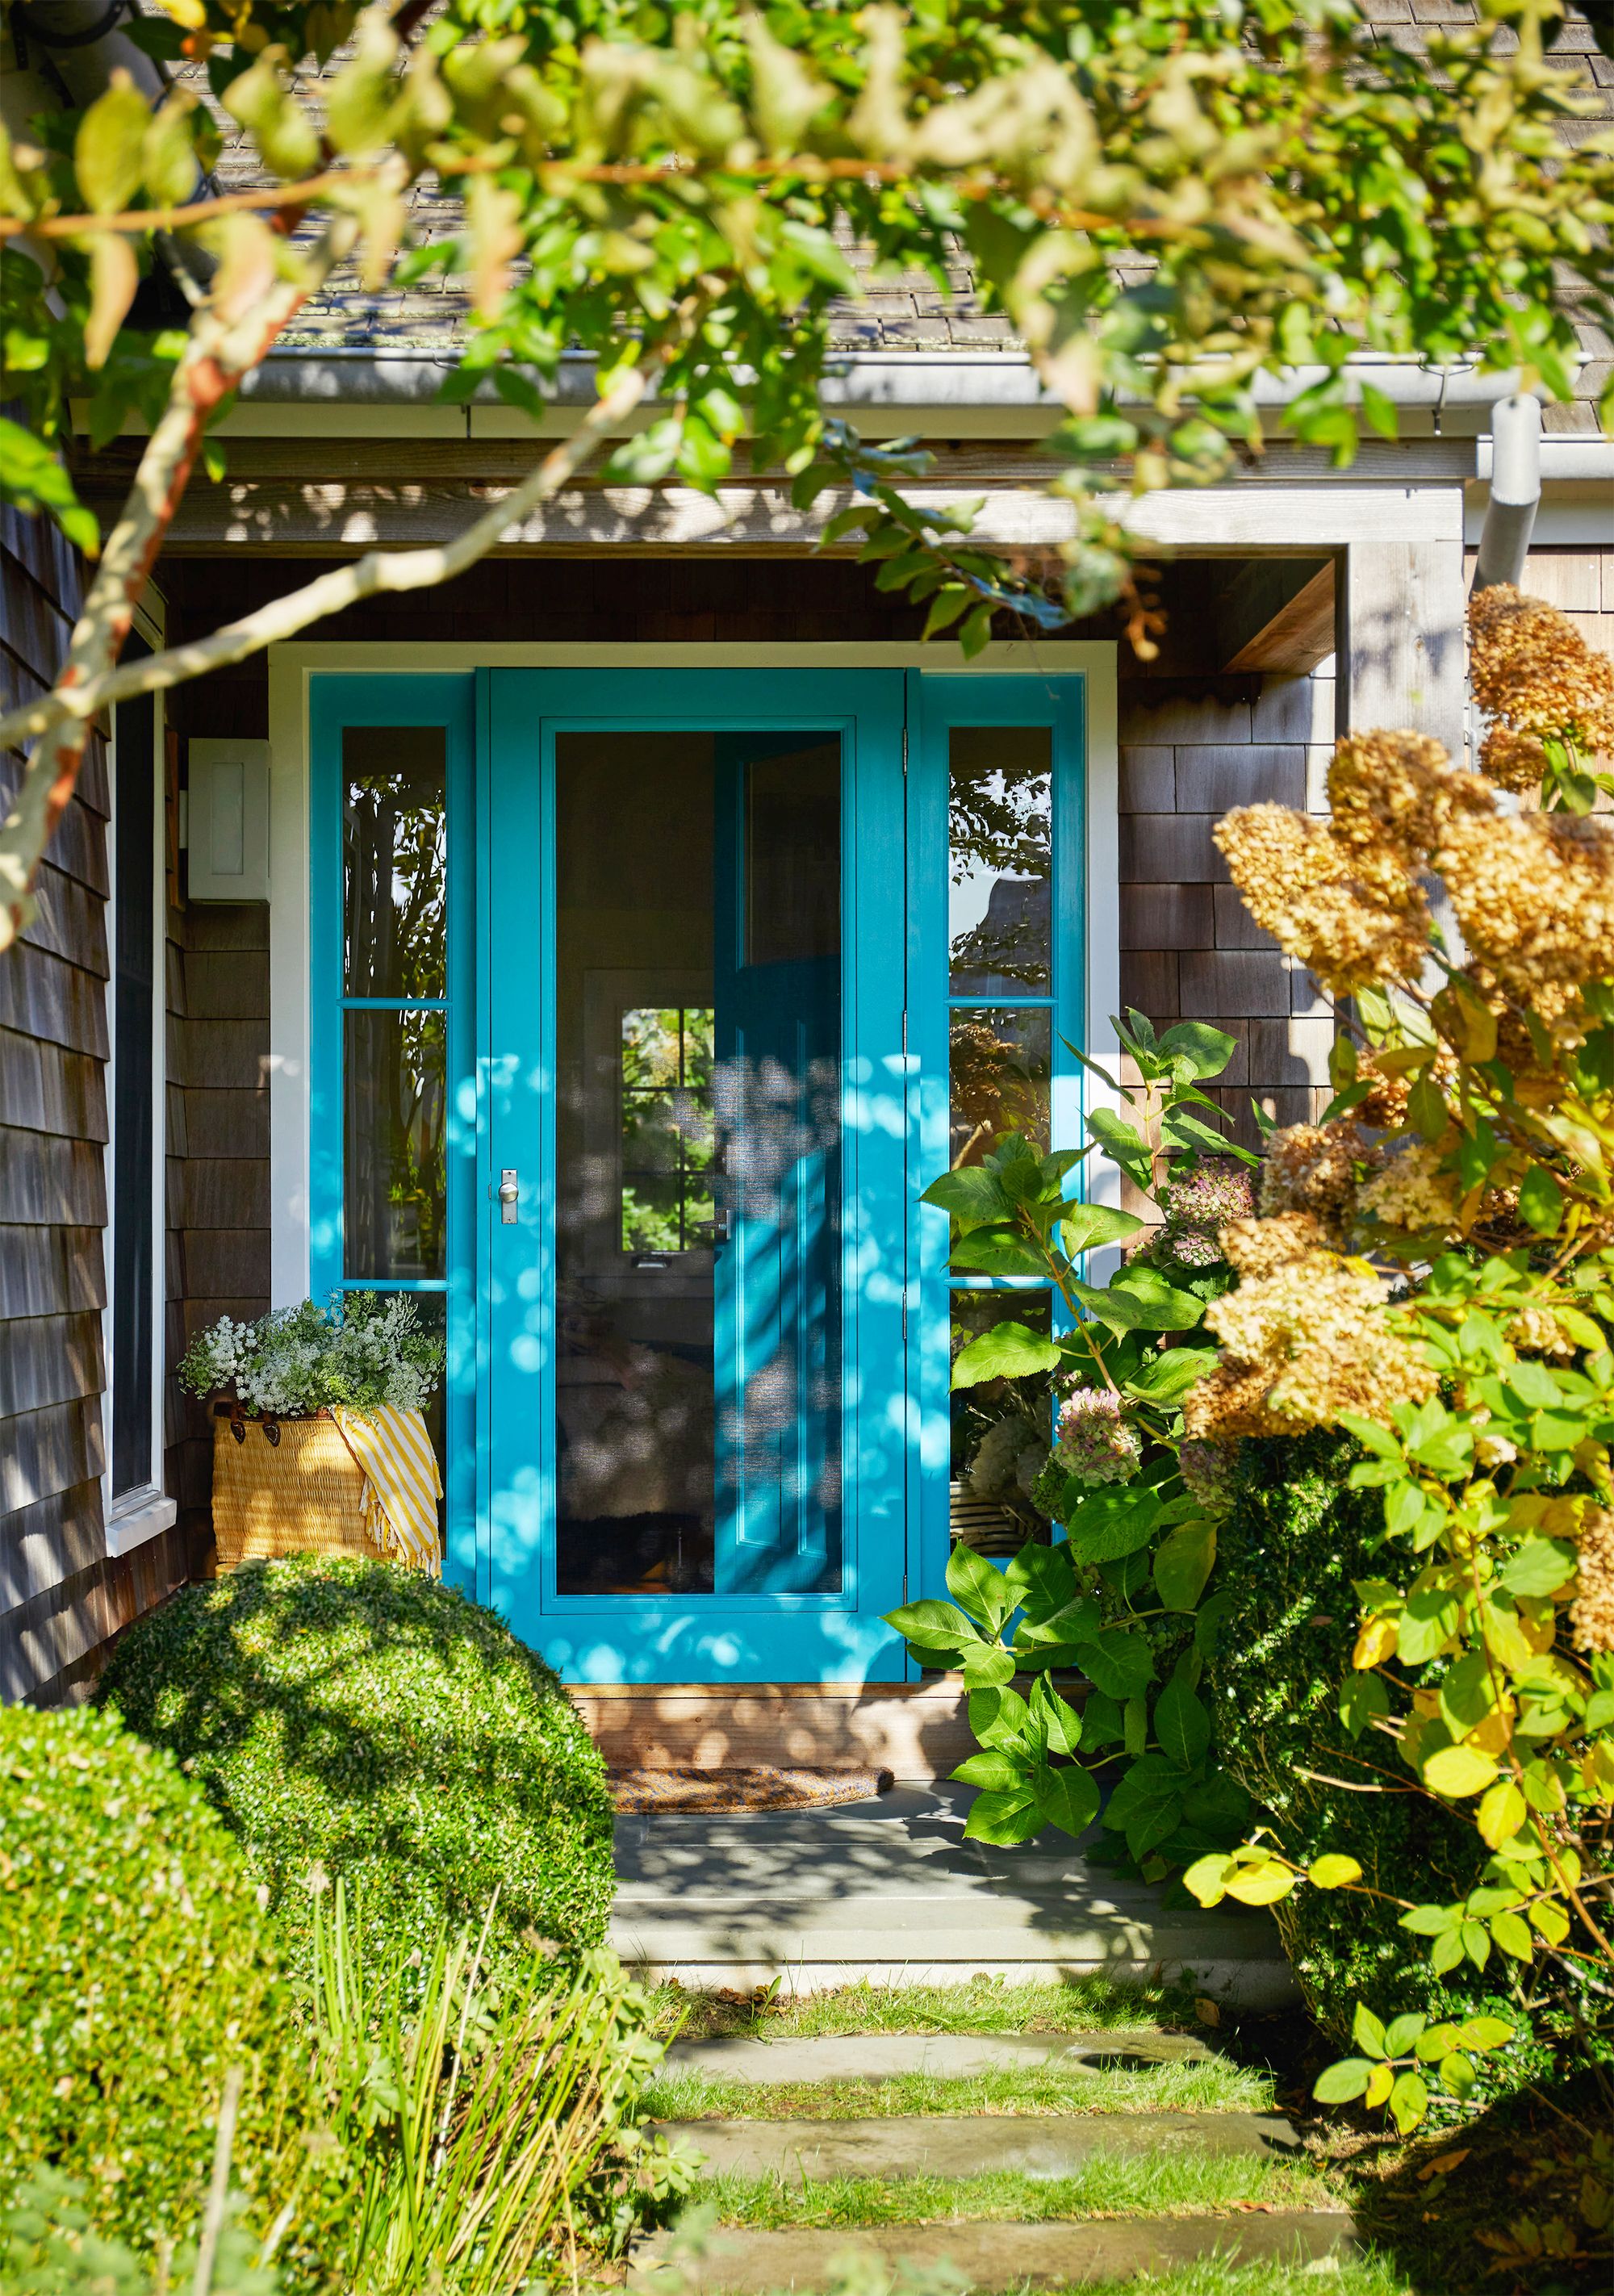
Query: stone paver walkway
[945, 2056]
[889, 1890]
[969, 2144]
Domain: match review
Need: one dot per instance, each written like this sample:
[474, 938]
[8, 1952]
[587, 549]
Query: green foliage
[1302, 189]
[364, 1351]
[1116, 1598]
[136, 1970]
[372, 1724]
[478, 2121]
[49, 2246]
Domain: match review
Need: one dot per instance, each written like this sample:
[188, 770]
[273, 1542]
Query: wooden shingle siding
[61, 1592]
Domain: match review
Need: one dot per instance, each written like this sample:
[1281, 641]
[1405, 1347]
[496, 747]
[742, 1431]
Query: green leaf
[1067, 1797]
[1147, 1803]
[1124, 1145]
[1446, 1953]
[1140, 1299]
[32, 478]
[1539, 1566]
[997, 1251]
[1541, 1201]
[107, 149]
[971, 1196]
[1203, 1050]
[1333, 1871]
[1002, 1818]
[1182, 1723]
[1459, 1771]
[1362, 1697]
[978, 1588]
[1183, 1562]
[1106, 1524]
[1168, 1378]
[1367, 2031]
[1005, 1350]
[1402, 2031]
[1085, 1227]
[1409, 2100]
[999, 1716]
[1208, 1877]
[1483, 2033]
[933, 1626]
[1055, 1718]
[992, 1771]
[987, 1667]
[1042, 1579]
[1512, 1934]
[1343, 2082]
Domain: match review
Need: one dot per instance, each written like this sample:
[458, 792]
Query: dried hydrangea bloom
[1305, 888]
[1094, 1441]
[1535, 674]
[1592, 1612]
[1534, 894]
[1512, 760]
[1256, 1246]
[1536, 1332]
[1409, 1190]
[1384, 1110]
[1312, 1167]
[1304, 1344]
[1390, 796]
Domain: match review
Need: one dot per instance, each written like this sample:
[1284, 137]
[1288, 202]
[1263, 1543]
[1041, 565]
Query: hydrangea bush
[365, 1351]
[1120, 1596]
[1431, 1269]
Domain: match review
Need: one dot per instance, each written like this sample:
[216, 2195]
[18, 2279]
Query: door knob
[509, 1196]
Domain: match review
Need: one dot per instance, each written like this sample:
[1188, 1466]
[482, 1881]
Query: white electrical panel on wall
[228, 820]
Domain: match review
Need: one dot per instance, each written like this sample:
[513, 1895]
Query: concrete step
[970, 2145]
[996, 2256]
[947, 2056]
[892, 1893]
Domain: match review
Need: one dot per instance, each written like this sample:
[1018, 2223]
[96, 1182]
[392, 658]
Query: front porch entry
[642, 1004]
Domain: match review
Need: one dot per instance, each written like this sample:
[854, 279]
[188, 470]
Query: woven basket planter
[301, 1494]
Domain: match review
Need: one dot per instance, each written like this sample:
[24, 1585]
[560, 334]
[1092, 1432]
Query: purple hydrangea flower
[1094, 1441]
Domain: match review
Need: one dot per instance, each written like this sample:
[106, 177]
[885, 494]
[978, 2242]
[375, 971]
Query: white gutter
[366, 376]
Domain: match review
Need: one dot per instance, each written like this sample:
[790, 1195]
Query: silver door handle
[510, 1197]
[723, 1227]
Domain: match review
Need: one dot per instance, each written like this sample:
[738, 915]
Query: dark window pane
[394, 855]
[1000, 860]
[395, 1192]
[999, 1063]
[792, 870]
[1001, 1430]
[698, 1380]
[134, 1098]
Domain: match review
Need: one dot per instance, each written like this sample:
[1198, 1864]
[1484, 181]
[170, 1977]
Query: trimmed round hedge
[354, 1720]
[135, 1970]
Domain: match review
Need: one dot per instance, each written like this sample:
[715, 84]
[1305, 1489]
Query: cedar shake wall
[61, 1594]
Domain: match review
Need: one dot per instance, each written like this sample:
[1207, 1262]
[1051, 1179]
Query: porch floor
[890, 1892]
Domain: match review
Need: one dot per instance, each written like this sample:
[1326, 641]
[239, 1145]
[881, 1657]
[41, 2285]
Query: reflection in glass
[395, 853]
[667, 1128]
[999, 1061]
[395, 1192]
[1000, 860]
[1000, 1430]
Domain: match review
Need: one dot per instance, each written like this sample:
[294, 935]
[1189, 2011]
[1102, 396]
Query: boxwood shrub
[135, 1969]
[350, 1719]
[1296, 1539]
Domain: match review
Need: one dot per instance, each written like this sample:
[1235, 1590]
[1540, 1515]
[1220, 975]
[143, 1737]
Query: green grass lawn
[1212, 2085]
[983, 2006]
[1109, 2185]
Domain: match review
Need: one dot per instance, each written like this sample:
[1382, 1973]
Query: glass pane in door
[697, 1163]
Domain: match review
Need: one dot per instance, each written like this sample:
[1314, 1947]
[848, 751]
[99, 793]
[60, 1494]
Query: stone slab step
[969, 2144]
[996, 2256]
[947, 2056]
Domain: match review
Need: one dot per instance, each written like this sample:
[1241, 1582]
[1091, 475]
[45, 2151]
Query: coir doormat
[761, 1788]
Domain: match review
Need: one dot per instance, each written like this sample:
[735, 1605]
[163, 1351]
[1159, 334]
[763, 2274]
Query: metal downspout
[1510, 518]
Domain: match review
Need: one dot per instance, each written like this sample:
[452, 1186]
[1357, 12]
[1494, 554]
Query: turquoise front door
[643, 1006]
[696, 1442]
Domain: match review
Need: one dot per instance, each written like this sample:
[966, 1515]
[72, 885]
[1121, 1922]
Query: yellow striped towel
[401, 1482]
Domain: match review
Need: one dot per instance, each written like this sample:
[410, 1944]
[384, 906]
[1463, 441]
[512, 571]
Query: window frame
[145, 1509]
